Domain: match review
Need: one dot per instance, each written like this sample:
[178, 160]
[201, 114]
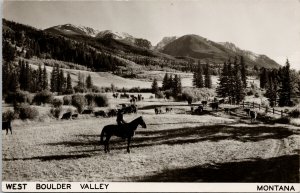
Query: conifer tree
[45, 79]
[165, 83]
[89, 82]
[39, 85]
[263, 77]
[222, 89]
[207, 77]
[69, 88]
[154, 87]
[243, 72]
[285, 87]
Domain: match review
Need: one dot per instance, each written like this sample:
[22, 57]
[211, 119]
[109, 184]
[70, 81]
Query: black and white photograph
[167, 91]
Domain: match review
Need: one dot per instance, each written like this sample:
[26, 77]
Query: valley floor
[173, 147]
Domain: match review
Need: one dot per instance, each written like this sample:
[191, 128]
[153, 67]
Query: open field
[175, 147]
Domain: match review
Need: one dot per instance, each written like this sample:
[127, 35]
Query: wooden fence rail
[267, 109]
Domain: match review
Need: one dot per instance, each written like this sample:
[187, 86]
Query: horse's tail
[102, 135]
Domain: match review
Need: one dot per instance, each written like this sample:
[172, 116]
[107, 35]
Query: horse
[204, 103]
[67, 115]
[214, 106]
[6, 125]
[125, 131]
[253, 115]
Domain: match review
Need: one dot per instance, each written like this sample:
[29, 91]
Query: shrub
[67, 100]
[55, 112]
[159, 95]
[101, 100]
[18, 97]
[249, 93]
[8, 115]
[78, 101]
[27, 112]
[256, 95]
[57, 103]
[90, 98]
[43, 97]
[295, 113]
[80, 89]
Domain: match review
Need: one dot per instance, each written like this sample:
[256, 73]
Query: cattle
[247, 111]
[112, 113]
[227, 110]
[124, 95]
[75, 116]
[7, 125]
[199, 109]
[214, 106]
[157, 110]
[204, 103]
[87, 112]
[168, 109]
[253, 115]
[115, 95]
[221, 101]
[67, 116]
[100, 113]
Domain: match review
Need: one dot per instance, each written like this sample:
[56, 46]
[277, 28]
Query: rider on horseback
[121, 122]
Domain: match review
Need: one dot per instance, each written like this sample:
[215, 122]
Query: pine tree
[54, 79]
[285, 88]
[69, 89]
[239, 92]
[61, 82]
[207, 77]
[39, 85]
[198, 77]
[165, 83]
[45, 79]
[243, 72]
[176, 86]
[263, 77]
[154, 87]
[222, 89]
[89, 82]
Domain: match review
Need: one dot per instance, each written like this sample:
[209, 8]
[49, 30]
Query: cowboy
[121, 122]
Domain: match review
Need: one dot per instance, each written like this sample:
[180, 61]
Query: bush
[8, 115]
[78, 101]
[80, 89]
[256, 95]
[57, 103]
[43, 97]
[67, 100]
[18, 97]
[101, 100]
[90, 98]
[295, 113]
[249, 93]
[55, 112]
[159, 95]
[27, 112]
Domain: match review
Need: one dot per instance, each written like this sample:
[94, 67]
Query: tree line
[281, 85]
[198, 80]
[170, 85]
[233, 80]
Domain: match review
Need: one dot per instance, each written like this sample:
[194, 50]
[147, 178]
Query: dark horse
[6, 125]
[125, 131]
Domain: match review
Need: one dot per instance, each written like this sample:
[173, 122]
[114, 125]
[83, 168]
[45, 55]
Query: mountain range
[174, 52]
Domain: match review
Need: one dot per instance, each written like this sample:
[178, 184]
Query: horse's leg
[10, 131]
[6, 131]
[128, 144]
[107, 143]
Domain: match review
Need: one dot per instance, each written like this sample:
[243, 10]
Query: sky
[270, 27]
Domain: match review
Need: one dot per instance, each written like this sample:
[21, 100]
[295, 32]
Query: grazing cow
[124, 95]
[214, 106]
[253, 115]
[157, 110]
[112, 113]
[247, 111]
[199, 109]
[227, 110]
[67, 116]
[87, 112]
[115, 95]
[204, 103]
[168, 109]
[75, 116]
[7, 125]
[221, 101]
[192, 109]
[100, 113]
[139, 97]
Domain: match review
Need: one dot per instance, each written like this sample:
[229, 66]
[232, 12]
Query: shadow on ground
[284, 169]
[213, 133]
[50, 157]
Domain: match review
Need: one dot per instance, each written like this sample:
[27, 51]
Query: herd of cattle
[127, 109]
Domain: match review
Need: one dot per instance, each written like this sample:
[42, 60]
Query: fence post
[259, 107]
[243, 104]
[281, 112]
[253, 105]
[273, 110]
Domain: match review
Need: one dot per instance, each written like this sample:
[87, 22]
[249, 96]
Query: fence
[267, 109]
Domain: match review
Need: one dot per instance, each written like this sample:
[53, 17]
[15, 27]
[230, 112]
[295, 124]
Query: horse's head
[142, 122]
